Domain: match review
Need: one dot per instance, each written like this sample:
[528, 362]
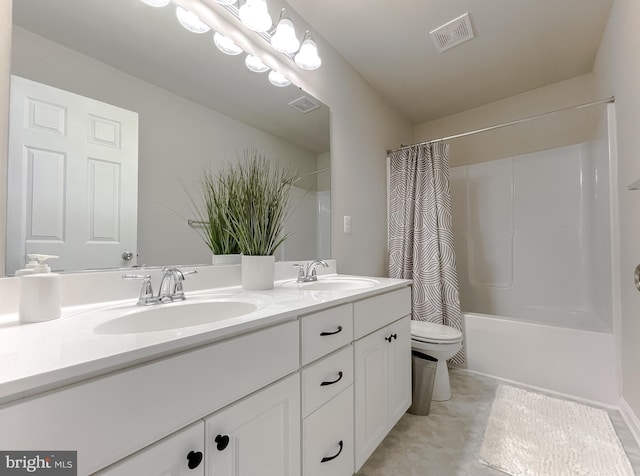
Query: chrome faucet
[170, 286]
[308, 273]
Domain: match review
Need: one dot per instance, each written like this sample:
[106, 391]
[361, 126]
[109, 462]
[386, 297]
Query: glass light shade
[307, 57]
[191, 21]
[227, 46]
[255, 64]
[157, 3]
[226, 2]
[255, 15]
[278, 79]
[284, 39]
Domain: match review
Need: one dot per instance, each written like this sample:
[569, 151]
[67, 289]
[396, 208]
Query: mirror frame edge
[5, 68]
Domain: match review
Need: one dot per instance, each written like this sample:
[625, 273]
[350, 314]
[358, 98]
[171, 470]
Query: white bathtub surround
[533, 236]
[571, 362]
[531, 433]
[421, 233]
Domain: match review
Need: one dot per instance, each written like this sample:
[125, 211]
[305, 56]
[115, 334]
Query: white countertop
[46, 355]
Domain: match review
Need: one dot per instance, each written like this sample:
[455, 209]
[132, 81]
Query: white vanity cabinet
[382, 368]
[181, 454]
[259, 435]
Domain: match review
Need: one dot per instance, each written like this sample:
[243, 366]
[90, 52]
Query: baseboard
[575, 398]
[630, 419]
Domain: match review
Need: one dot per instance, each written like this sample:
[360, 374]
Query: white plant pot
[225, 259]
[258, 272]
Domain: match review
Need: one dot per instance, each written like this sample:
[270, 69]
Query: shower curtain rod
[510, 123]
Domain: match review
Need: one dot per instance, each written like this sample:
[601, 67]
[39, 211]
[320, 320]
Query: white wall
[567, 128]
[617, 72]
[177, 140]
[5, 56]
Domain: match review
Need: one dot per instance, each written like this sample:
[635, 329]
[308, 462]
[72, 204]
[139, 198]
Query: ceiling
[520, 45]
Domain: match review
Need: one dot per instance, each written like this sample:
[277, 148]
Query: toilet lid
[428, 331]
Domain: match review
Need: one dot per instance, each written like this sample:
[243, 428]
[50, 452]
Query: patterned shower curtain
[421, 233]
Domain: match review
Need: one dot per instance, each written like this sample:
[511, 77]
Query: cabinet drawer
[180, 454]
[378, 311]
[110, 417]
[326, 331]
[327, 448]
[325, 379]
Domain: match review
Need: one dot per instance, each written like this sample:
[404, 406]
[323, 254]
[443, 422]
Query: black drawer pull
[329, 458]
[333, 381]
[221, 442]
[324, 334]
[194, 458]
[391, 337]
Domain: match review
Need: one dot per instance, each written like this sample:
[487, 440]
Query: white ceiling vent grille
[304, 104]
[453, 33]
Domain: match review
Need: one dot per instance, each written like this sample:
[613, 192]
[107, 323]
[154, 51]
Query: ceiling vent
[304, 104]
[453, 33]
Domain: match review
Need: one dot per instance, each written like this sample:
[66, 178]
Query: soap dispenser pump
[40, 290]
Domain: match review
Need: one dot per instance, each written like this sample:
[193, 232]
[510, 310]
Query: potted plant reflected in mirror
[259, 204]
[211, 221]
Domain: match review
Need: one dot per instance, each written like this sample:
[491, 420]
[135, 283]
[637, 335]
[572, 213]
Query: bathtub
[574, 362]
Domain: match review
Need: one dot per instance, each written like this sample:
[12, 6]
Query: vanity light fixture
[191, 21]
[284, 39]
[255, 64]
[278, 79]
[255, 15]
[157, 3]
[227, 46]
[308, 58]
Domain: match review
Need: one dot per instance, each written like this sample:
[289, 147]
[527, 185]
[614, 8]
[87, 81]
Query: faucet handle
[301, 273]
[146, 292]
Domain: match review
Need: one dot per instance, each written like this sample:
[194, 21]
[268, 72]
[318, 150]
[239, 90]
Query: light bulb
[191, 21]
[255, 15]
[227, 46]
[307, 57]
[284, 39]
[226, 2]
[255, 64]
[157, 3]
[278, 79]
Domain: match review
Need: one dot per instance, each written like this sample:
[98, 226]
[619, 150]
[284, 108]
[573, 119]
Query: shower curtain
[421, 233]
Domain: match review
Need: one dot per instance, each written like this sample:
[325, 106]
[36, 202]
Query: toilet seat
[429, 332]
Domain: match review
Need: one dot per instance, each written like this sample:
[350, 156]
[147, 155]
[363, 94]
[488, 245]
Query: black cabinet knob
[222, 441]
[194, 458]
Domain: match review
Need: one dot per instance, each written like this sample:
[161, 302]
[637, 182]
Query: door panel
[73, 179]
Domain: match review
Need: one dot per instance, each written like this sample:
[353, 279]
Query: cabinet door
[328, 438]
[399, 369]
[180, 454]
[259, 435]
[371, 393]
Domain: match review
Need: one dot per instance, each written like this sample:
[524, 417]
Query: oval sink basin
[162, 317]
[334, 284]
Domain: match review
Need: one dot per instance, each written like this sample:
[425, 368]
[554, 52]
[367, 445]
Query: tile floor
[447, 442]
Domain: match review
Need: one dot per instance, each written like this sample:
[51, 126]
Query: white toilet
[441, 342]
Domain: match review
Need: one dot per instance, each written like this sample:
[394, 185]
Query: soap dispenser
[39, 290]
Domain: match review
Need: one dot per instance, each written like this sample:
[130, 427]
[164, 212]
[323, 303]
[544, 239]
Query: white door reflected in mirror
[73, 179]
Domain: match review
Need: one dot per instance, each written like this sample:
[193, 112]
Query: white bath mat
[532, 434]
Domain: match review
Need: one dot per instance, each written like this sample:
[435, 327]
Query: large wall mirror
[193, 107]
